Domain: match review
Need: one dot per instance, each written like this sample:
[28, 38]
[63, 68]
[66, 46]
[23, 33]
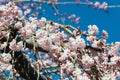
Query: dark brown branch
[24, 68]
[95, 49]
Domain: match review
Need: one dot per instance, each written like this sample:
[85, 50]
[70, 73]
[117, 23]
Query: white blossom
[93, 29]
[16, 46]
[87, 60]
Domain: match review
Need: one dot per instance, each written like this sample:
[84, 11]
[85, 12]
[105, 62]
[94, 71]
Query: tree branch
[24, 68]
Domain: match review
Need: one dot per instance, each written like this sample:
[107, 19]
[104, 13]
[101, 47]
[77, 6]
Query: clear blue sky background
[88, 15]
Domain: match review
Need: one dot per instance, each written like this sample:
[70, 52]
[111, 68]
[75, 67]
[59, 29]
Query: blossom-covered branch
[81, 55]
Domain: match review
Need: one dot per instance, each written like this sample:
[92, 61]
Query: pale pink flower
[104, 34]
[96, 58]
[72, 54]
[64, 55]
[18, 25]
[90, 39]
[114, 60]
[6, 57]
[33, 27]
[77, 43]
[56, 48]
[87, 60]
[68, 67]
[2, 33]
[117, 74]
[16, 46]
[26, 32]
[62, 58]
[27, 11]
[96, 44]
[109, 76]
[93, 29]
[103, 6]
[44, 43]
[4, 66]
[77, 72]
[3, 45]
[114, 49]
[47, 62]
[117, 44]
[82, 78]
[41, 33]
[32, 19]
[4, 1]
[52, 28]
[4, 61]
[57, 37]
[71, 16]
[77, 20]
[96, 4]
[42, 22]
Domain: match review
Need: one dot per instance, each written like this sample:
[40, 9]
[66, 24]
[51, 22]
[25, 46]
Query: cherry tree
[56, 48]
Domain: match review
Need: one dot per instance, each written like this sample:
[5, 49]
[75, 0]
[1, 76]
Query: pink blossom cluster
[16, 46]
[87, 60]
[93, 29]
[103, 6]
[4, 62]
[3, 45]
[8, 13]
[74, 18]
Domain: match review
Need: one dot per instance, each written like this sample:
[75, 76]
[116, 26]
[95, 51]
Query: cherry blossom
[93, 29]
[103, 6]
[68, 67]
[2, 33]
[42, 42]
[115, 49]
[41, 22]
[109, 76]
[3, 45]
[114, 60]
[16, 46]
[104, 34]
[87, 60]
[18, 25]
[27, 11]
[96, 4]
[82, 77]
[4, 62]
[41, 33]
[77, 72]
[90, 39]
[77, 43]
